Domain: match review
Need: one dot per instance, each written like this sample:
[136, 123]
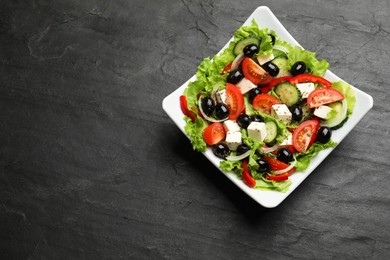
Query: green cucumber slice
[282, 64]
[240, 45]
[337, 121]
[272, 132]
[288, 93]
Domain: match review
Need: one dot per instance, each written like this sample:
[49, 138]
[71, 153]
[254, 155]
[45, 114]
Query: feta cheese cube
[305, 88]
[231, 126]
[322, 111]
[287, 141]
[265, 58]
[281, 112]
[257, 131]
[245, 85]
[221, 96]
[233, 140]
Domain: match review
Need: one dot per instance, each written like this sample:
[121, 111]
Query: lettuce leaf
[264, 184]
[195, 131]
[266, 46]
[313, 65]
[232, 166]
[303, 160]
[348, 92]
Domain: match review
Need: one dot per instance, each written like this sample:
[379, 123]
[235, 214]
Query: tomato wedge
[310, 78]
[256, 74]
[305, 135]
[234, 101]
[246, 176]
[274, 82]
[214, 133]
[264, 103]
[321, 96]
[184, 108]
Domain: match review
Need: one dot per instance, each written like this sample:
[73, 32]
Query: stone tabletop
[91, 167]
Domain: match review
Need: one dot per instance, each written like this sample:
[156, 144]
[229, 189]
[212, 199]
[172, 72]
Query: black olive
[253, 93]
[297, 113]
[221, 150]
[235, 76]
[242, 148]
[299, 67]
[250, 50]
[273, 39]
[208, 105]
[257, 118]
[271, 68]
[263, 166]
[323, 135]
[221, 111]
[243, 121]
[284, 155]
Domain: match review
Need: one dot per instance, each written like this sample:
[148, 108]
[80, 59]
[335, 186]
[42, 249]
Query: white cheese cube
[233, 140]
[322, 111]
[305, 88]
[287, 141]
[231, 126]
[281, 112]
[257, 131]
[221, 96]
[264, 58]
[245, 85]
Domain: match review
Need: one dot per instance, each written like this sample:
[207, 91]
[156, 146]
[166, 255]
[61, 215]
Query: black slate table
[91, 166]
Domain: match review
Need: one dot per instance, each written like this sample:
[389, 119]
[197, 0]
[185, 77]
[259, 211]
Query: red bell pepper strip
[274, 82]
[184, 108]
[301, 78]
[281, 177]
[227, 68]
[246, 176]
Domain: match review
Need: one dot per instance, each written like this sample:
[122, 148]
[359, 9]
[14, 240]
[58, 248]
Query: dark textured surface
[91, 167]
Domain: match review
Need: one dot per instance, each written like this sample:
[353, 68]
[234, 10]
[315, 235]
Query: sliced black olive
[284, 155]
[235, 76]
[299, 67]
[253, 93]
[221, 111]
[323, 135]
[243, 121]
[297, 113]
[221, 150]
[250, 50]
[242, 148]
[263, 166]
[271, 68]
[257, 118]
[208, 105]
[273, 39]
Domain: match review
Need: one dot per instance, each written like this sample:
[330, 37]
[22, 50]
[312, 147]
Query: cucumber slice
[272, 132]
[341, 117]
[240, 45]
[282, 64]
[307, 112]
[288, 93]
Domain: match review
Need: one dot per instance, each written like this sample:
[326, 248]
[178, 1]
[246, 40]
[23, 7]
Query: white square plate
[266, 19]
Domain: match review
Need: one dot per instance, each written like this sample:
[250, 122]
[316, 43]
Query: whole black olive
[208, 105]
[221, 111]
[257, 118]
[323, 135]
[271, 68]
[221, 150]
[235, 76]
[263, 166]
[243, 121]
[250, 50]
[273, 39]
[297, 113]
[284, 155]
[299, 67]
[253, 93]
[242, 148]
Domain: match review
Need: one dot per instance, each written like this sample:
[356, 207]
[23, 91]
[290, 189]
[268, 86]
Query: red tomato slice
[234, 101]
[256, 74]
[274, 82]
[310, 78]
[246, 176]
[321, 96]
[305, 134]
[264, 102]
[214, 133]
[281, 177]
[184, 108]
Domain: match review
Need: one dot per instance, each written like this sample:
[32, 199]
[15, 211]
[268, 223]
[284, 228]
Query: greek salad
[264, 108]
